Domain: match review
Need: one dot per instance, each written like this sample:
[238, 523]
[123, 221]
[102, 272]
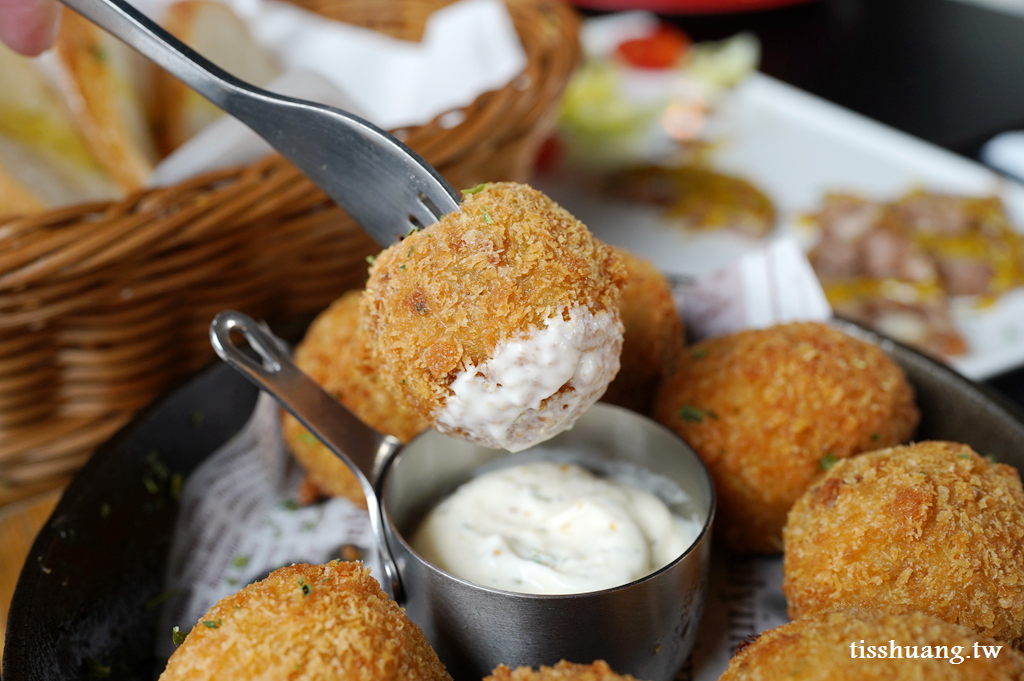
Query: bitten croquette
[334, 353]
[307, 622]
[834, 647]
[931, 527]
[439, 304]
[769, 410]
[652, 339]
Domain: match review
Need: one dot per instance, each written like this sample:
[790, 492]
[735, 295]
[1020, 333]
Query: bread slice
[217, 33]
[104, 84]
[15, 198]
[44, 162]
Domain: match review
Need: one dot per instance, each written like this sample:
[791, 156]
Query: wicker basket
[103, 306]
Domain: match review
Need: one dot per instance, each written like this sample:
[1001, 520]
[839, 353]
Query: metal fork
[385, 186]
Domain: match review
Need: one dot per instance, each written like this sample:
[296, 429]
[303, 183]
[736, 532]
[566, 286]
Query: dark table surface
[949, 72]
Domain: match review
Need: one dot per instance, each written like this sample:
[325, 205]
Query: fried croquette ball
[334, 353]
[930, 526]
[307, 622]
[768, 410]
[834, 647]
[563, 671]
[652, 339]
[500, 322]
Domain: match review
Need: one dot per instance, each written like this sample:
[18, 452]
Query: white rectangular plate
[797, 147]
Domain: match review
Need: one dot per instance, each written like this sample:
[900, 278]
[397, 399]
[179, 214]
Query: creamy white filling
[551, 528]
[500, 403]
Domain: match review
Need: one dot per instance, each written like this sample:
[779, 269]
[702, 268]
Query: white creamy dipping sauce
[548, 528]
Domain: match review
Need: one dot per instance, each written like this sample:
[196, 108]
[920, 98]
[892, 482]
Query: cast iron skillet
[84, 601]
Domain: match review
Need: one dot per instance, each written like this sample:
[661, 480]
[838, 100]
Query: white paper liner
[238, 521]
[236, 524]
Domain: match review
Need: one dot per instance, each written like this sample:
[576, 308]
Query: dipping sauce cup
[645, 628]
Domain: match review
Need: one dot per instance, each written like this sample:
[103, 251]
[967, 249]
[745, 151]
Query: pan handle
[361, 448]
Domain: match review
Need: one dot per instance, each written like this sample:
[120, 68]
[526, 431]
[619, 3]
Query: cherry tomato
[660, 50]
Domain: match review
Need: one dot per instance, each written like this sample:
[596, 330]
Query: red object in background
[661, 50]
[688, 6]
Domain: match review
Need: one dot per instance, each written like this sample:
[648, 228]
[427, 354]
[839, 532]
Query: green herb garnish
[290, 505]
[474, 190]
[689, 413]
[178, 636]
[307, 437]
[966, 457]
[875, 436]
[240, 561]
[487, 216]
[212, 624]
[96, 670]
[304, 586]
[991, 458]
[402, 268]
[371, 259]
[175, 487]
[151, 486]
[409, 254]
[105, 510]
[699, 353]
[157, 600]
[827, 461]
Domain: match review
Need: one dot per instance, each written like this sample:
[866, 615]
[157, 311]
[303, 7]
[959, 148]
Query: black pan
[85, 604]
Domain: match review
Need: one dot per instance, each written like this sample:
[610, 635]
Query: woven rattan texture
[103, 306]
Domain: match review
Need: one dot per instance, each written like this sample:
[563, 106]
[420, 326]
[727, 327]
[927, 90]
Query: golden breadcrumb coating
[768, 410]
[334, 353]
[818, 649]
[930, 526]
[444, 297]
[563, 671]
[306, 622]
[652, 339]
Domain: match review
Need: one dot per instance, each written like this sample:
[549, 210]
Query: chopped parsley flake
[402, 268]
[409, 254]
[290, 505]
[991, 458]
[105, 510]
[966, 457]
[158, 599]
[178, 636]
[827, 461]
[371, 259]
[151, 486]
[96, 670]
[175, 488]
[240, 561]
[487, 216]
[212, 624]
[875, 436]
[689, 413]
[308, 437]
[474, 190]
[699, 353]
[305, 587]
